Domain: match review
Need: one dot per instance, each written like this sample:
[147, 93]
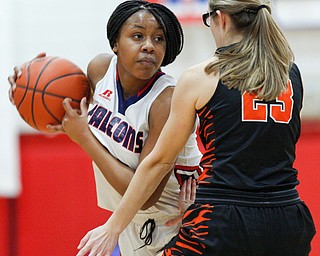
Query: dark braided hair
[166, 18]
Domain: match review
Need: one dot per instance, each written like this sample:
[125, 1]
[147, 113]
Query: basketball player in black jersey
[248, 98]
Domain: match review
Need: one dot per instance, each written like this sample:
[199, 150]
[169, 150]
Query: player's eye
[159, 38]
[138, 36]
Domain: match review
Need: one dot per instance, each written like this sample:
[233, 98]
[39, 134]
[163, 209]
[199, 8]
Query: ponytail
[260, 62]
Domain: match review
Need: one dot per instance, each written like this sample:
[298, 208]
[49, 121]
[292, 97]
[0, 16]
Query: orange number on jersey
[255, 110]
[252, 109]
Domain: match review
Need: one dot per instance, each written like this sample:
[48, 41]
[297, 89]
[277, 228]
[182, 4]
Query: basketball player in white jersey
[130, 105]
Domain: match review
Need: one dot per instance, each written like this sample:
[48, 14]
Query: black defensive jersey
[250, 144]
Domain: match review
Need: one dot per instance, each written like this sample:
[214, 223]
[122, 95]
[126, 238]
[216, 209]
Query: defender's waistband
[256, 199]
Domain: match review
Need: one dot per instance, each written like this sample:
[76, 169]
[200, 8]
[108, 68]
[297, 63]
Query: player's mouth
[147, 61]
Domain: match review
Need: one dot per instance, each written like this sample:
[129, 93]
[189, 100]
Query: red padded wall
[58, 203]
[4, 226]
[308, 164]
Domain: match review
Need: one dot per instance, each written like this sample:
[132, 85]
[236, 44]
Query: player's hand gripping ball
[45, 82]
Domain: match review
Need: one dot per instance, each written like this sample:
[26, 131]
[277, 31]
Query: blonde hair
[260, 62]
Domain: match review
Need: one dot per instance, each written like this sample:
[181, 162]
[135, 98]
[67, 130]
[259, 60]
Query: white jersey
[122, 126]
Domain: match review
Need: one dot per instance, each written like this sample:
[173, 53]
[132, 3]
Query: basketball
[45, 82]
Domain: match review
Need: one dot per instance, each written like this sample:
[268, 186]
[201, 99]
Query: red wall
[58, 203]
[3, 227]
[308, 164]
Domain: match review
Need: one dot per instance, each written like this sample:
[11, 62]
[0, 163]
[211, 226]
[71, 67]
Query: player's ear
[222, 17]
[115, 47]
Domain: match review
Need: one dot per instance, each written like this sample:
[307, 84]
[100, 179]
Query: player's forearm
[116, 173]
[146, 179]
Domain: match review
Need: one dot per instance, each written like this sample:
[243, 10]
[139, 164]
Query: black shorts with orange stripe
[237, 230]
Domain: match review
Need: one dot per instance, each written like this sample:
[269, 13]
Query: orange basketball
[45, 82]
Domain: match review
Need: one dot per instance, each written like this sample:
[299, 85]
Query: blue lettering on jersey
[129, 139]
[116, 128]
[120, 132]
[112, 123]
[139, 143]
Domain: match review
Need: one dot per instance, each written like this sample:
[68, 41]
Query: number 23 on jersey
[256, 110]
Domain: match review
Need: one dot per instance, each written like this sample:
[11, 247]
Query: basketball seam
[27, 86]
[35, 88]
[59, 96]
[25, 92]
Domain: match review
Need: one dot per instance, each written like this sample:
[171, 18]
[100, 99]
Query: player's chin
[147, 72]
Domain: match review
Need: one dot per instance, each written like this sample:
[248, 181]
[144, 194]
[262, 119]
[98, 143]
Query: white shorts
[130, 242]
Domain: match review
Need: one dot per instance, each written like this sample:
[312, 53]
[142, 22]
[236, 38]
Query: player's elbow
[148, 204]
[152, 200]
